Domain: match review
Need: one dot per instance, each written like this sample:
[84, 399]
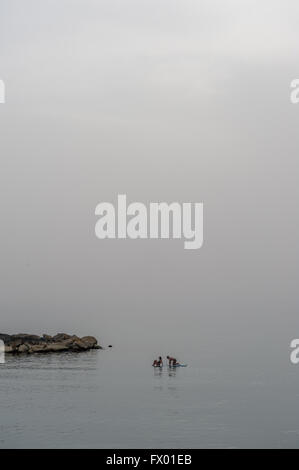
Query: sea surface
[114, 399]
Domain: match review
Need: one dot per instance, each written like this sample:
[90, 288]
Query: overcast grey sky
[163, 101]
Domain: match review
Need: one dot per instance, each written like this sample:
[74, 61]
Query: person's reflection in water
[171, 372]
[158, 371]
[172, 384]
[158, 375]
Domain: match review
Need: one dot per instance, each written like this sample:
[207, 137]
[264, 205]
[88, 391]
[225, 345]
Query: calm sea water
[112, 398]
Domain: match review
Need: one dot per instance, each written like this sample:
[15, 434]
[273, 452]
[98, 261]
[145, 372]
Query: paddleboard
[179, 365]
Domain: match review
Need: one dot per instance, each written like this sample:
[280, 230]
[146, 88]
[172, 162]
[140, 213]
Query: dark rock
[24, 343]
[60, 337]
[23, 348]
[4, 338]
[47, 337]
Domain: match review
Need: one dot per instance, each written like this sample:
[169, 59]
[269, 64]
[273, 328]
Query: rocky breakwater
[29, 344]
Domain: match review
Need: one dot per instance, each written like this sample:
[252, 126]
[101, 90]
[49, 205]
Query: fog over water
[185, 101]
